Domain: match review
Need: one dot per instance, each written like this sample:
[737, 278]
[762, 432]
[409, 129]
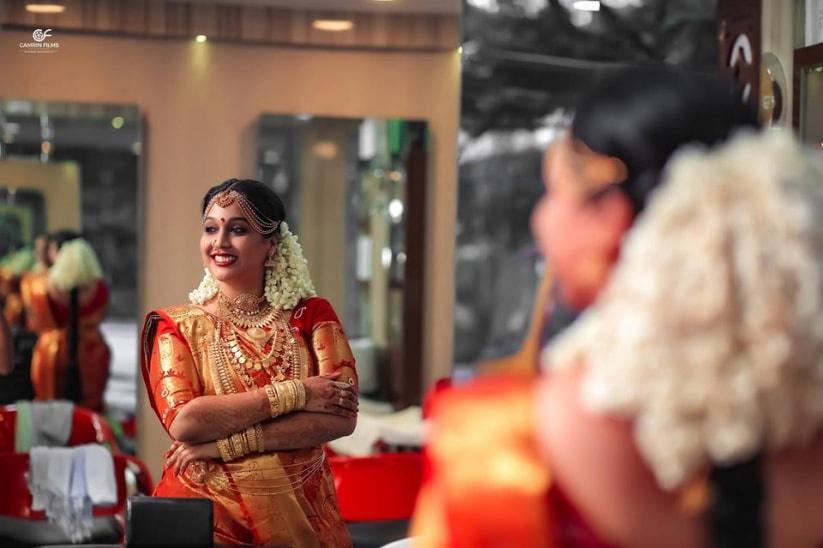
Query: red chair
[382, 487]
[19, 523]
[86, 427]
[16, 499]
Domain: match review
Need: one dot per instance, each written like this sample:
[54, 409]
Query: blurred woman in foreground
[683, 407]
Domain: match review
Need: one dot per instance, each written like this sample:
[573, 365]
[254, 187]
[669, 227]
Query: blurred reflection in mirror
[811, 102]
[355, 190]
[72, 167]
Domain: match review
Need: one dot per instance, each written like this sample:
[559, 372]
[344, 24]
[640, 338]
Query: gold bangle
[238, 445]
[289, 389]
[282, 397]
[300, 389]
[293, 393]
[225, 450]
[274, 400]
[232, 453]
[250, 439]
[245, 442]
[261, 442]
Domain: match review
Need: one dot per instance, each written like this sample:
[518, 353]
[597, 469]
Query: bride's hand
[181, 454]
[325, 394]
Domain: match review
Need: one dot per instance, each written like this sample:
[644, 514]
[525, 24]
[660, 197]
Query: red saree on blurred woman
[51, 320]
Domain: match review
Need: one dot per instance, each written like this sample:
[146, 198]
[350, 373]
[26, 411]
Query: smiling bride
[251, 379]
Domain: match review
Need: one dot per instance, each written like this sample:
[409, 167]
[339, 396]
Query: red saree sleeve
[485, 484]
[168, 368]
[329, 346]
[34, 292]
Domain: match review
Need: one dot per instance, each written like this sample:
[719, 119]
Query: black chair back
[159, 521]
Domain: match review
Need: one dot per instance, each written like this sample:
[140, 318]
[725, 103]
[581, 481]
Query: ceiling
[397, 6]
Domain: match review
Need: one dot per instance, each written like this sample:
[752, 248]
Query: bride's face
[233, 252]
[578, 235]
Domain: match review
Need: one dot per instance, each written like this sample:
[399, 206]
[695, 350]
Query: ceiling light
[200, 38]
[332, 25]
[117, 122]
[587, 5]
[45, 7]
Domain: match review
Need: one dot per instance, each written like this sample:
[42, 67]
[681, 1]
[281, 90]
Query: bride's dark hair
[264, 200]
[643, 115]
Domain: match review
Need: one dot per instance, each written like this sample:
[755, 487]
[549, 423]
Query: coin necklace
[255, 314]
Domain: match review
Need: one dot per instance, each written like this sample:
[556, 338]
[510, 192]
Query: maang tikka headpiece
[258, 222]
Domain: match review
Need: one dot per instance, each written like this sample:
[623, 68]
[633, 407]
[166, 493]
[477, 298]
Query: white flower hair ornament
[287, 273]
[76, 266]
[709, 334]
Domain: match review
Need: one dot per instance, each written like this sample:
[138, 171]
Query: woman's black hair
[74, 385]
[261, 198]
[62, 236]
[643, 115]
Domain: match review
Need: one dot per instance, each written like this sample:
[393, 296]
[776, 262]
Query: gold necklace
[248, 312]
[278, 362]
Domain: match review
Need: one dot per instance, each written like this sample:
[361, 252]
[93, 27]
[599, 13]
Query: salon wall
[201, 103]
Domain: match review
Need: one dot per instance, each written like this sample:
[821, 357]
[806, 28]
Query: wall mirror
[354, 190]
[808, 91]
[78, 166]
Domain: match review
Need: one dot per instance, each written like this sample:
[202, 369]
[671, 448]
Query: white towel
[50, 476]
[100, 482]
[77, 522]
[67, 482]
[51, 422]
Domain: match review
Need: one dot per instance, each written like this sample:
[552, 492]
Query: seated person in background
[682, 409]
[71, 358]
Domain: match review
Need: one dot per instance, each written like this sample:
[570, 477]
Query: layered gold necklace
[256, 338]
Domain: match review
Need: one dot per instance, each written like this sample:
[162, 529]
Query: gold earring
[270, 262]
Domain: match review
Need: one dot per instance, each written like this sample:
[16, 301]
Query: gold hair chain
[257, 221]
